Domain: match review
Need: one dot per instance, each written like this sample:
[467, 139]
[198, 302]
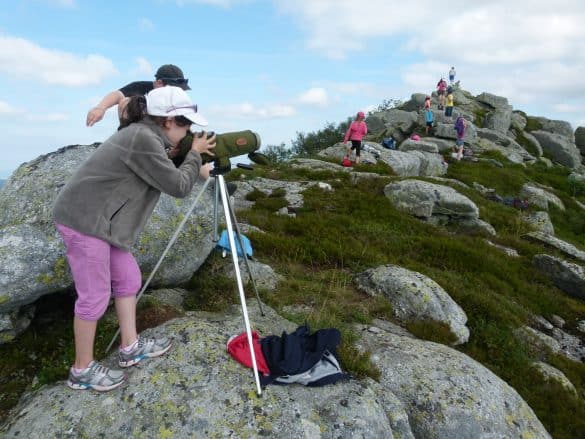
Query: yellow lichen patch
[164, 433]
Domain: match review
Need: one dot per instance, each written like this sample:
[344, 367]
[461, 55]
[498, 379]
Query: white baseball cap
[170, 101]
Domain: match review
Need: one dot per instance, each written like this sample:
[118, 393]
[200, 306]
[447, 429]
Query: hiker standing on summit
[356, 132]
[452, 76]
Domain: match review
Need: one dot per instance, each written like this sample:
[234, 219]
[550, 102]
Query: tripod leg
[164, 253]
[245, 256]
[226, 210]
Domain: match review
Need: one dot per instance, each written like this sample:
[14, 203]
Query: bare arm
[97, 113]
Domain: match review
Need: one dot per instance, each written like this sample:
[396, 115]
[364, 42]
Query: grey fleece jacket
[113, 193]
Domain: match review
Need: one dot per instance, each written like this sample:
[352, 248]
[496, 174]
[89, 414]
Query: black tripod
[231, 225]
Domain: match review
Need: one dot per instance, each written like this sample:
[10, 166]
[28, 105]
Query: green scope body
[227, 145]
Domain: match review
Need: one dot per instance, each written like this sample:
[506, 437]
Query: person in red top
[356, 132]
[441, 91]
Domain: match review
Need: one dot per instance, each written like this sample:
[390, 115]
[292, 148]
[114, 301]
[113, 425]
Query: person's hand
[202, 144]
[205, 170]
[95, 115]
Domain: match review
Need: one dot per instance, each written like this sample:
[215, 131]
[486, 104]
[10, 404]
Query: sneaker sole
[137, 360]
[81, 386]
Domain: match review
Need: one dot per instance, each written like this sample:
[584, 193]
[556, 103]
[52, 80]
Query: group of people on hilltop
[446, 103]
[358, 129]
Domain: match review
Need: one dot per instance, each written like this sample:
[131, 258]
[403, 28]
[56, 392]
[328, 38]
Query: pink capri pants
[99, 269]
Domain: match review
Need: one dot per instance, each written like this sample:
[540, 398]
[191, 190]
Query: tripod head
[220, 169]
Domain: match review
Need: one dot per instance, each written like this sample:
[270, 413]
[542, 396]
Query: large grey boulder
[33, 253]
[535, 143]
[551, 373]
[560, 127]
[415, 103]
[567, 276]
[431, 164]
[561, 148]
[514, 156]
[396, 123]
[414, 297]
[418, 145]
[550, 241]
[540, 196]
[499, 119]
[518, 120]
[423, 199]
[442, 144]
[447, 131]
[510, 145]
[447, 394]
[540, 222]
[402, 163]
[198, 390]
[405, 164]
[492, 100]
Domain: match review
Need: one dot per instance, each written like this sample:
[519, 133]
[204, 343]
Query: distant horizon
[276, 67]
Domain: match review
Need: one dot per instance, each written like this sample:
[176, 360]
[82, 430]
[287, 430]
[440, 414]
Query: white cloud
[482, 32]
[568, 108]
[26, 60]
[247, 110]
[6, 109]
[146, 25]
[316, 96]
[143, 67]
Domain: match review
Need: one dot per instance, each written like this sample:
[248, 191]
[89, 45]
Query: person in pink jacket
[356, 132]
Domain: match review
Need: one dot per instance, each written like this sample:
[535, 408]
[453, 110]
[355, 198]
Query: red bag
[346, 162]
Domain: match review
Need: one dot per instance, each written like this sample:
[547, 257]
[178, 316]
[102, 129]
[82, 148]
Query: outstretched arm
[97, 113]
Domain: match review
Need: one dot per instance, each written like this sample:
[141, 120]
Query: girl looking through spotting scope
[102, 210]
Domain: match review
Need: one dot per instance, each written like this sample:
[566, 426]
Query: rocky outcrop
[540, 222]
[394, 123]
[405, 164]
[560, 127]
[414, 297]
[562, 149]
[33, 253]
[565, 247]
[198, 390]
[435, 203]
[540, 196]
[445, 393]
[551, 373]
[567, 276]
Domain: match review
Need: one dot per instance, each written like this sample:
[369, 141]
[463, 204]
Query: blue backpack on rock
[389, 143]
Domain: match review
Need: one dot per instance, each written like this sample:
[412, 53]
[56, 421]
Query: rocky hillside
[458, 286]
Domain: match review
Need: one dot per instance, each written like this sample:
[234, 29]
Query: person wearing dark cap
[168, 74]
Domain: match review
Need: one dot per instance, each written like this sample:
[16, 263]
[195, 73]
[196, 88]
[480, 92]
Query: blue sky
[277, 67]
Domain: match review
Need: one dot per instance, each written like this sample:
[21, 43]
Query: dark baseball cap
[170, 74]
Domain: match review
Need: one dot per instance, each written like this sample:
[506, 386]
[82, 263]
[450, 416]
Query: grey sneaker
[96, 377]
[146, 348]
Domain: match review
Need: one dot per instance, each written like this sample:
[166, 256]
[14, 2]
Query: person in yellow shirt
[449, 104]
